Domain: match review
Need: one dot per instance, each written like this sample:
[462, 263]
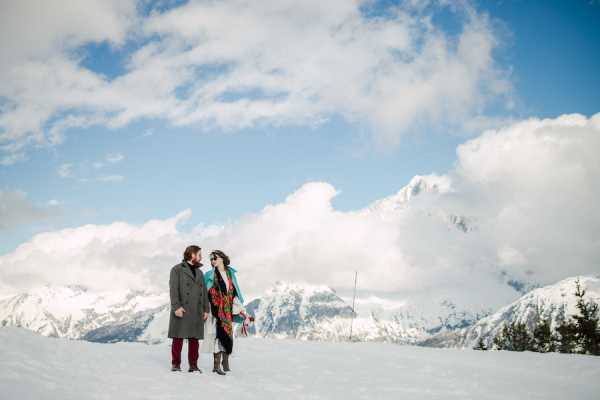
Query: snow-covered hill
[33, 367]
[287, 310]
[553, 302]
[77, 313]
[309, 312]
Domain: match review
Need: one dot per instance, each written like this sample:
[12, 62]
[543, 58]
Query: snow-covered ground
[36, 367]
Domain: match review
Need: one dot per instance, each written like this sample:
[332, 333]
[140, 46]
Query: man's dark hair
[193, 249]
[219, 253]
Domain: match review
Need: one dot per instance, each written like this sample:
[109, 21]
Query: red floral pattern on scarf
[223, 302]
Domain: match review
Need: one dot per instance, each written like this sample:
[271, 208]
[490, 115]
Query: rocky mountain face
[287, 310]
[77, 313]
[554, 303]
[309, 312]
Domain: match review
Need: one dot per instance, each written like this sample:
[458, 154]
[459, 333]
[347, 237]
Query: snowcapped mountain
[308, 312]
[288, 309]
[555, 303]
[312, 312]
[418, 187]
[77, 313]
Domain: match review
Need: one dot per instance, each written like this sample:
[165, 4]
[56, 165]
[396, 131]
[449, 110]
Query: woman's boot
[225, 362]
[216, 363]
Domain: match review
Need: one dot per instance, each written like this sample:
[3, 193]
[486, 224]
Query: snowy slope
[289, 308]
[552, 302]
[310, 312]
[302, 311]
[75, 312]
[156, 330]
[33, 367]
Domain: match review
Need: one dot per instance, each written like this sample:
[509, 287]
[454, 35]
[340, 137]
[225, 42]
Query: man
[189, 307]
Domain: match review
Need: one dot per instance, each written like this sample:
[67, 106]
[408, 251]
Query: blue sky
[547, 51]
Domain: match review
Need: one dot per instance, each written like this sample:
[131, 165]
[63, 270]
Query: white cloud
[111, 178]
[83, 171]
[65, 170]
[42, 28]
[111, 158]
[286, 62]
[114, 158]
[12, 158]
[16, 209]
[535, 184]
[117, 255]
[528, 191]
[41, 75]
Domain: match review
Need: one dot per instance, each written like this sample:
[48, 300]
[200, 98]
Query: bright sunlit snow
[36, 367]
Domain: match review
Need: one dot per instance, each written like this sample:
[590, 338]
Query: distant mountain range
[317, 313]
[287, 310]
[77, 313]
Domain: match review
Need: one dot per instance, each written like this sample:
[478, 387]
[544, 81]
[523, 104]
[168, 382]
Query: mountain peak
[419, 184]
[555, 303]
[288, 307]
[306, 289]
[73, 311]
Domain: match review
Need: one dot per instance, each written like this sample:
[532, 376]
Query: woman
[225, 299]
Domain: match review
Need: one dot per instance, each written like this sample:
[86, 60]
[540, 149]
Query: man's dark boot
[175, 368]
[216, 363]
[225, 361]
[194, 369]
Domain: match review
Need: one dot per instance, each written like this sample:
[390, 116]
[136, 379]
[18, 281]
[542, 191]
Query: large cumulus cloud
[520, 204]
[233, 64]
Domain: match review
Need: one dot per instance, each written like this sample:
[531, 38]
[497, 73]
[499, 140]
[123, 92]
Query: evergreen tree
[521, 339]
[514, 337]
[580, 334]
[567, 337]
[480, 344]
[500, 341]
[586, 323]
[543, 337]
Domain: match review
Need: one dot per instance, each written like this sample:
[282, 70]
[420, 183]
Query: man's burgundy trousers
[176, 348]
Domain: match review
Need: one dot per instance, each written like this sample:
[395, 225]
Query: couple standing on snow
[204, 307]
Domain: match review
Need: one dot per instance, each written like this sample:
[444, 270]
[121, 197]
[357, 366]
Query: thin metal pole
[353, 303]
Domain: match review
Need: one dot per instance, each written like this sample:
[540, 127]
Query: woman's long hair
[222, 255]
